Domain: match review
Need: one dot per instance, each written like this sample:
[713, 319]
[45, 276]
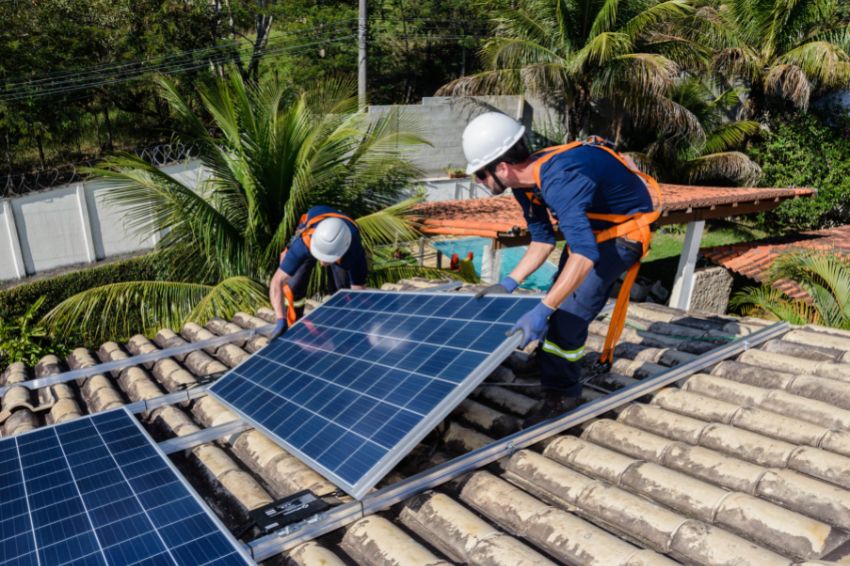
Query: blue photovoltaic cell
[97, 490]
[354, 385]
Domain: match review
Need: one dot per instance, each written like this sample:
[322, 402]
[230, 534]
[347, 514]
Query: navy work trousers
[563, 347]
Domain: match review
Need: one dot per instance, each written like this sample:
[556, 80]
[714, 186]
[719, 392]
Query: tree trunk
[97, 132]
[8, 152]
[39, 140]
[108, 124]
[264, 25]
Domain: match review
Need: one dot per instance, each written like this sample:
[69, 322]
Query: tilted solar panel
[97, 490]
[356, 384]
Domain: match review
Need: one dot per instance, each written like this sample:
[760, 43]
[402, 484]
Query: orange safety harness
[305, 231]
[635, 226]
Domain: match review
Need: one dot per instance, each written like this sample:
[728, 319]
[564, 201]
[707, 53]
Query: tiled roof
[490, 217]
[748, 464]
[754, 259]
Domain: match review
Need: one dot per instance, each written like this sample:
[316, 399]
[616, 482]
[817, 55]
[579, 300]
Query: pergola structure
[501, 220]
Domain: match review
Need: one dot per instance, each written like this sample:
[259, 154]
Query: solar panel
[97, 490]
[356, 384]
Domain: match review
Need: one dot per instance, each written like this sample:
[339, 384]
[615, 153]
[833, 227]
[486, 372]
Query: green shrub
[802, 151]
[24, 339]
[17, 300]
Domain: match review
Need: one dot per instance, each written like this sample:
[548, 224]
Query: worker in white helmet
[326, 236]
[604, 208]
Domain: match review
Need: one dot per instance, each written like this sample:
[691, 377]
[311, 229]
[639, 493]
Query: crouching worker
[326, 236]
[604, 208]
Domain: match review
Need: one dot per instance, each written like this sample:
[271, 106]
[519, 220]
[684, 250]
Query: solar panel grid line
[136, 496]
[330, 382]
[90, 489]
[370, 369]
[238, 546]
[29, 511]
[80, 495]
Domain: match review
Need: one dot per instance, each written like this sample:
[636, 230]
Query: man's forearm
[276, 293]
[533, 258]
[574, 272]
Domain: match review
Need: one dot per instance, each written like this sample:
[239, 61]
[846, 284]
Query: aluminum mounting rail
[342, 515]
[72, 375]
[204, 436]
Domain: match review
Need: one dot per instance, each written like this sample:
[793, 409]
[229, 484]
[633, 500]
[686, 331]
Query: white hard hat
[488, 137]
[330, 240]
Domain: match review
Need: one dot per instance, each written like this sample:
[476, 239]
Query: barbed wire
[24, 183]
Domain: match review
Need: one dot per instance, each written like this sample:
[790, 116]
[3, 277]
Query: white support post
[490, 263]
[85, 221]
[683, 286]
[14, 240]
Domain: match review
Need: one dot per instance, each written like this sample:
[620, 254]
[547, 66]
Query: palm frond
[389, 225]
[669, 11]
[606, 17]
[730, 135]
[601, 49]
[228, 297]
[732, 166]
[769, 302]
[823, 62]
[119, 310]
[789, 82]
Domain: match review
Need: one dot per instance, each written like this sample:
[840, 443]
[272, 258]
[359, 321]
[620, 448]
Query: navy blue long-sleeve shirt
[573, 183]
[354, 260]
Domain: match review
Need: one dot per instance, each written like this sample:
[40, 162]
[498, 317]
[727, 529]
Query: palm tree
[576, 54]
[714, 158]
[788, 50]
[270, 155]
[825, 277]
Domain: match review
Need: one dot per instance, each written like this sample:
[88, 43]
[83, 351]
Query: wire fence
[23, 183]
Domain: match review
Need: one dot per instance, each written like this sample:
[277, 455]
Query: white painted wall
[75, 224]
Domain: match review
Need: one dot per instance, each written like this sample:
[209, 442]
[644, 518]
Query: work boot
[554, 405]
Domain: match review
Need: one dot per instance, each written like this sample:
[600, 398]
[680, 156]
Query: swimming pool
[540, 280]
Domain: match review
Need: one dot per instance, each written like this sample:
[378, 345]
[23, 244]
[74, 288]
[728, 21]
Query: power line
[105, 75]
[81, 74]
[175, 67]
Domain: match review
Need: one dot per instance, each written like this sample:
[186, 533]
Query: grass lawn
[668, 241]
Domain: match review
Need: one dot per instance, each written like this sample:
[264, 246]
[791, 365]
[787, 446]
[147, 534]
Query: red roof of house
[500, 217]
[753, 259]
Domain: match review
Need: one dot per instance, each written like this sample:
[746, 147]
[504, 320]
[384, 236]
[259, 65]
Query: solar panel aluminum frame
[240, 547]
[359, 489]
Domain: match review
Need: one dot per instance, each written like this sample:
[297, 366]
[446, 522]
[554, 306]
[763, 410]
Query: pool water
[540, 280]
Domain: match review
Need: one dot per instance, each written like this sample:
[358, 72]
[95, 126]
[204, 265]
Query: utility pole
[362, 29]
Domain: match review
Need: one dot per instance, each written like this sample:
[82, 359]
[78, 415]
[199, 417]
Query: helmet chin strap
[500, 186]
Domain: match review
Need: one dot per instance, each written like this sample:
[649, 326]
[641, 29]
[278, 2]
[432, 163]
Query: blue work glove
[533, 324]
[507, 285]
[279, 328]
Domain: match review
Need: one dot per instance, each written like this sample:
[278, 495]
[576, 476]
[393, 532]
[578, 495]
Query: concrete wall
[75, 224]
[441, 120]
[72, 224]
[711, 289]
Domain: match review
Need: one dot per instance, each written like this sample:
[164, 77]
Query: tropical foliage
[271, 155]
[784, 50]
[24, 339]
[575, 54]
[802, 151]
[682, 84]
[825, 278]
